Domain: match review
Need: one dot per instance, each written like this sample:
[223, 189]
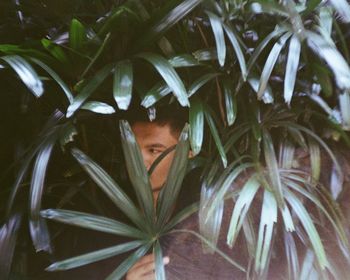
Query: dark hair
[173, 115]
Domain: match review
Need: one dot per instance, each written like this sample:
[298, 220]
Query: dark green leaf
[185, 60]
[26, 73]
[98, 107]
[230, 102]
[291, 68]
[270, 63]
[196, 118]
[197, 84]
[123, 80]
[216, 136]
[137, 171]
[169, 193]
[111, 188]
[128, 263]
[77, 34]
[169, 75]
[216, 25]
[159, 271]
[267, 221]
[155, 93]
[56, 51]
[232, 36]
[94, 256]
[88, 89]
[93, 222]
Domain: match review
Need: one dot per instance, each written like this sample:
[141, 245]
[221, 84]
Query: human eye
[154, 151]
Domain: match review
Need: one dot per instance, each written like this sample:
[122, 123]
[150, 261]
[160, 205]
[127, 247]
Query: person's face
[153, 139]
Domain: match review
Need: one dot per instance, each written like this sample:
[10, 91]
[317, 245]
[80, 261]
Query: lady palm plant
[258, 77]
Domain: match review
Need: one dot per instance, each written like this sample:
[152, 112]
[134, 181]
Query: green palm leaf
[123, 81]
[169, 75]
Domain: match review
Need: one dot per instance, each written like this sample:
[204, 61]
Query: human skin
[153, 139]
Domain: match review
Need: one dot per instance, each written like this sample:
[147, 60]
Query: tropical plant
[263, 80]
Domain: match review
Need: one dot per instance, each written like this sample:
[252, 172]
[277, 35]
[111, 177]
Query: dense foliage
[262, 80]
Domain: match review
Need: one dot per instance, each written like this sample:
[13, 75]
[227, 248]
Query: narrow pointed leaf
[272, 166]
[110, 187]
[155, 93]
[309, 227]
[206, 54]
[277, 32]
[344, 104]
[185, 60]
[56, 51]
[292, 256]
[159, 271]
[26, 73]
[89, 89]
[57, 78]
[267, 221]
[128, 263]
[270, 63]
[291, 68]
[93, 222]
[230, 102]
[197, 84]
[196, 119]
[216, 25]
[245, 198]
[94, 256]
[235, 44]
[332, 56]
[77, 34]
[137, 171]
[216, 136]
[98, 107]
[38, 229]
[169, 75]
[343, 8]
[267, 96]
[177, 171]
[8, 238]
[123, 81]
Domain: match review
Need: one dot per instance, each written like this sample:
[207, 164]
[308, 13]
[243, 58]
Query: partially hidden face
[153, 139]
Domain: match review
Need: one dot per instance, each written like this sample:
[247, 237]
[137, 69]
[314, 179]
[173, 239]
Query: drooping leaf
[98, 107]
[26, 73]
[291, 68]
[110, 187]
[169, 193]
[169, 75]
[56, 51]
[292, 256]
[38, 229]
[216, 136]
[197, 84]
[267, 221]
[94, 256]
[128, 263]
[8, 237]
[343, 8]
[232, 37]
[272, 166]
[137, 171]
[344, 104]
[88, 89]
[123, 81]
[196, 118]
[245, 198]
[159, 271]
[230, 102]
[185, 60]
[217, 27]
[93, 222]
[332, 56]
[270, 63]
[57, 78]
[155, 93]
[309, 227]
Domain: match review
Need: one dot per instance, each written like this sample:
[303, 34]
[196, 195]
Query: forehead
[148, 133]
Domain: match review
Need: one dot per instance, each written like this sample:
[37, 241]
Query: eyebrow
[156, 145]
